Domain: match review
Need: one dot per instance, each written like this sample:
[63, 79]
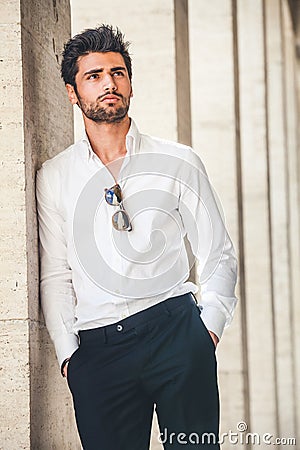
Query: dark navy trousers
[163, 358]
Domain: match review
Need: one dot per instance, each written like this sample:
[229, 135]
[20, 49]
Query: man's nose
[109, 82]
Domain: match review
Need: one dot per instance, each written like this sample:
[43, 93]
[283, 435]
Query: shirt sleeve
[204, 224]
[56, 290]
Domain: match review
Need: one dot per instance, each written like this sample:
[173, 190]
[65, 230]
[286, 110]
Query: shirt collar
[132, 142]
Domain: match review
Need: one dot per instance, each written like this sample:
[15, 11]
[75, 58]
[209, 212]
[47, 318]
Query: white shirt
[93, 275]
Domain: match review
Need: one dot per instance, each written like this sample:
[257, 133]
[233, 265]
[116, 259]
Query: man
[113, 212]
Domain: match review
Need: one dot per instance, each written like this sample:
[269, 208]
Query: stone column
[256, 217]
[278, 160]
[296, 310]
[35, 124]
[14, 331]
[290, 424]
[215, 117]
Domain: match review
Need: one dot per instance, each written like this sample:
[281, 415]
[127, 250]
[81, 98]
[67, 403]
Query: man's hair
[101, 39]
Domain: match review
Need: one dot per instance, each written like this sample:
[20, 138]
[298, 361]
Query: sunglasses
[120, 218]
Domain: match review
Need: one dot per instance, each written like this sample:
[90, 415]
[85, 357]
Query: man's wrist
[62, 367]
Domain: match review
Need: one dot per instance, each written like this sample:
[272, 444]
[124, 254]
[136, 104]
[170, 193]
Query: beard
[94, 111]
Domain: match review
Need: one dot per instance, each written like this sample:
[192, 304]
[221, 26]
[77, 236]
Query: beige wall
[35, 123]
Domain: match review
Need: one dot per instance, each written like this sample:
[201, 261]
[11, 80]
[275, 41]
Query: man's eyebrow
[115, 69]
[92, 71]
[99, 70]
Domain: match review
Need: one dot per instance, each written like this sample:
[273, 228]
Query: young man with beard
[113, 212]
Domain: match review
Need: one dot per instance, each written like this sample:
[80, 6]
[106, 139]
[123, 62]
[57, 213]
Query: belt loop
[200, 307]
[104, 335]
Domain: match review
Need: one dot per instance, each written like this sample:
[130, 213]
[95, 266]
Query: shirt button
[124, 316]
[119, 327]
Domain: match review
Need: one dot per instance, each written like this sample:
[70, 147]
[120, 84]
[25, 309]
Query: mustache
[101, 97]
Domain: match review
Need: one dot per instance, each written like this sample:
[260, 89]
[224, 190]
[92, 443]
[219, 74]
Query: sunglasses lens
[120, 221]
[113, 195]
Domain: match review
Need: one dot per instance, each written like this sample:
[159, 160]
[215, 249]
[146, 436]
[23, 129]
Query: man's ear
[131, 93]
[72, 94]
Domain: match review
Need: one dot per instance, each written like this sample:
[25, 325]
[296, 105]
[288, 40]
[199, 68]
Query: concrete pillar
[183, 89]
[277, 137]
[256, 217]
[291, 109]
[14, 333]
[214, 124]
[296, 305]
[35, 123]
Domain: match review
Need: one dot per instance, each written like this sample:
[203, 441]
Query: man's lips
[109, 98]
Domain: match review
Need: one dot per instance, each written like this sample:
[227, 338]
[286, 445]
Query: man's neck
[108, 140]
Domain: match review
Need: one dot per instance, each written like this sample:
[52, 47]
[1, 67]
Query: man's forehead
[99, 59]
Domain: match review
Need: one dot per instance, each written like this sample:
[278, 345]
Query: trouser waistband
[165, 307]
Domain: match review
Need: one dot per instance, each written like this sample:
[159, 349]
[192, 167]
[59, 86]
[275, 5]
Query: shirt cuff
[65, 346]
[213, 319]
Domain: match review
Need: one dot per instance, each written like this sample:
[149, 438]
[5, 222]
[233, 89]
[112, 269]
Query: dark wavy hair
[101, 39]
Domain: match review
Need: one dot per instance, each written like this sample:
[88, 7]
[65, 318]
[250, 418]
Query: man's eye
[118, 74]
[93, 76]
